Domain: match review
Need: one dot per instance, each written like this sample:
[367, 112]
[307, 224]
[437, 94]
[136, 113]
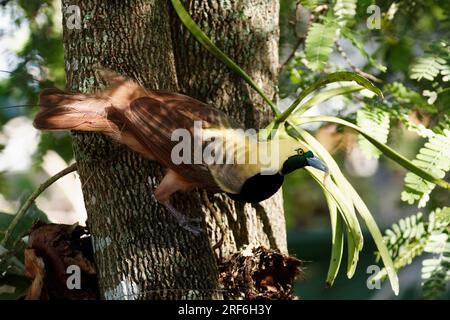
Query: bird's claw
[196, 230]
[184, 221]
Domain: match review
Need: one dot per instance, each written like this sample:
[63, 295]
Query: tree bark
[140, 250]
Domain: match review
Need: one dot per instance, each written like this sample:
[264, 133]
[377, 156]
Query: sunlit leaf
[330, 78]
[387, 151]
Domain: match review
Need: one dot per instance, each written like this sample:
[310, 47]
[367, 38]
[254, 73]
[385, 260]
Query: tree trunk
[140, 250]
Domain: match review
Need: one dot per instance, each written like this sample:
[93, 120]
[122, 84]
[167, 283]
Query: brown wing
[152, 122]
[194, 109]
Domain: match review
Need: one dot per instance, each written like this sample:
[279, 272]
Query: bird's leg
[217, 218]
[184, 221]
[171, 183]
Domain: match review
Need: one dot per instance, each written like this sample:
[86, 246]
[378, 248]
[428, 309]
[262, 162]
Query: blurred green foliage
[409, 59]
[38, 64]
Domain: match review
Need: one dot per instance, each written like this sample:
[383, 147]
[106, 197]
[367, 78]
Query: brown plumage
[145, 120]
[142, 120]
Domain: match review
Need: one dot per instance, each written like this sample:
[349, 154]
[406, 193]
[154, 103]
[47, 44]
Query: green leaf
[339, 193]
[203, 39]
[360, 46]
[310, 4]
[436, 270]
[387, 151]
[407, 98]
[376, 123]
[434, 157]
[24, 224]
[344, 11]
[330, 78]
[337, 244]
[329, 93]
[346, 209]
[427, 67]
[358, 203]
[445, 72]
[377, 238]
[319, 44]
[412, 236]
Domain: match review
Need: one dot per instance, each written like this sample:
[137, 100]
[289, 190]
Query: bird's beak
[315, 162]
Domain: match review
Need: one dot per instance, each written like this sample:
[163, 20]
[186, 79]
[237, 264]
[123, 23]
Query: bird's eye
[300, 151]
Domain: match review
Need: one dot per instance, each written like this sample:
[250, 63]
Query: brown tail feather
[61, 110]
[52, 97]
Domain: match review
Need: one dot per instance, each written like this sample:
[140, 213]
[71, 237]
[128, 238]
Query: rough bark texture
[247, 31]
[140, 251]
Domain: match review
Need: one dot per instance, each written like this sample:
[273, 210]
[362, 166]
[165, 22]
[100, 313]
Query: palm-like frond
[427, 67]
[376, 122]
[319, 44]
[434, 157]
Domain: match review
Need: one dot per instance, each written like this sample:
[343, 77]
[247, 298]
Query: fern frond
[403, 239]
[436, 270]
[434, 157]
[412, 236]
[445, 73]
[344, 11]
[376, 123]
[407, 98]
[319, 44]
[427, 67]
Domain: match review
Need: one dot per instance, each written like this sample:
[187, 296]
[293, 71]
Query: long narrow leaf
[211, 47]
[377, 238]
[344, 203]
[333, 77]
[335, 171]
[387, 151]
[354, 234]
[317, 99]
[337, 246]
[362, 209]
[330, 93]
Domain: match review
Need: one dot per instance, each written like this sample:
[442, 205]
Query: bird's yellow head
[297, 156]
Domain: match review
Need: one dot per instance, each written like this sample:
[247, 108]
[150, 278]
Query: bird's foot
[189, 224]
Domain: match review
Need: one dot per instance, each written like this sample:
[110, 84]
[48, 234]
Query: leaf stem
[29, 202]
[329, 78]
[354, 68]
[201, 37]
[387, 151]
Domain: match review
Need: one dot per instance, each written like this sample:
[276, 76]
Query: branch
[352, 66]
[29, 202]
[294, 50]
[300, 38]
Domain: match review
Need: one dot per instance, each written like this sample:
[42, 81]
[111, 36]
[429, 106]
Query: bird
[146, 121]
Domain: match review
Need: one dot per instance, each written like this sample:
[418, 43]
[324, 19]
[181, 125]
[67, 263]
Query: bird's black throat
[258, 188]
